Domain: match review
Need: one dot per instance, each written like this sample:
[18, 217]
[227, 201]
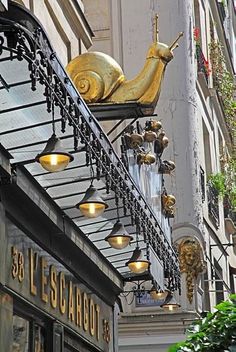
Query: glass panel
[20, 334]
[39, 339]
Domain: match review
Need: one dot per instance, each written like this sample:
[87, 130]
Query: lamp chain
[53, 114]
[117, 207]
[91, 171]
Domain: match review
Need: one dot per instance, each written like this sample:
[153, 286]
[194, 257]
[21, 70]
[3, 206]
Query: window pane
[39, 339]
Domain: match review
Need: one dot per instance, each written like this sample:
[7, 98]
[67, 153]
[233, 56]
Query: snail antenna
[156, 31]
[175, 44]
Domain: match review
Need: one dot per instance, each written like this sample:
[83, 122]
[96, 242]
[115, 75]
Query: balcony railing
[202, 63]
[213, 204]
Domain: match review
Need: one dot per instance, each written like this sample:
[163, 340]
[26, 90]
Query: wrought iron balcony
[213, 204]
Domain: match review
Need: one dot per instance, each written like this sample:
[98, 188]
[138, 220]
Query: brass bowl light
[92, 204]
[137, 264]
[54, 158]
[170, 305]
[158, 295]
[119, 237]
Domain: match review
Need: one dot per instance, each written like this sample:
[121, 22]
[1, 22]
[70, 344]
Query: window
[219, 287]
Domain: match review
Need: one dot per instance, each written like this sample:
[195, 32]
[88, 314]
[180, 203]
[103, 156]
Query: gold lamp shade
[170, 305]
[137, 264]
[119, 237]
[92, 204]
[54, 158]
[158, 295]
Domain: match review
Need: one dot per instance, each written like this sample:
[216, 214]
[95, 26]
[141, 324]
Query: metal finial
[175, 44]
[156, 31]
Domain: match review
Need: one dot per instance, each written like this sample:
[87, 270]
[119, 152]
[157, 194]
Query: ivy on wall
[223, 81]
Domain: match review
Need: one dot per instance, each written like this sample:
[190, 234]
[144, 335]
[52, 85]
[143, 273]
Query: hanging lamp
[170, 304]
[92, 204]
[119, 237]
[158, 295]
[54, 158]
[137, 264]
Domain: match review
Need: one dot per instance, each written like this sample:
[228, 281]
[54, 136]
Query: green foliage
[224, 82]
[225, 182]
[214, 333]
[218, 182]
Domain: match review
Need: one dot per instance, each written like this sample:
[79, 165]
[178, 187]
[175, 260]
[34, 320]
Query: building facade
[198, 117]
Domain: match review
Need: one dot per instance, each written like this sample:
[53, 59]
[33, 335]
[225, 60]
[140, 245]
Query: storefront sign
[38, 277]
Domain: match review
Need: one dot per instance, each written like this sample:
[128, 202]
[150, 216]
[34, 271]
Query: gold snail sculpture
[100, 79]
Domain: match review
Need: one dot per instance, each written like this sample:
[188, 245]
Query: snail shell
[95, 75]
[136, 140]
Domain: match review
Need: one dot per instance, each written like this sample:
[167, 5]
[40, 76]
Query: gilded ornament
[191, 263]
[168, 204]
[146, 158]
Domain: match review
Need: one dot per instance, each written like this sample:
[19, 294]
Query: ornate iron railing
[46, 69]
[213, 204]
[202, 184]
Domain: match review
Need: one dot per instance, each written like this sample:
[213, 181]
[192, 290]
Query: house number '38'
[17, 266]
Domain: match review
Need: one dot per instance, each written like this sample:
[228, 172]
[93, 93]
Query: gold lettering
[97, 310]
[78, 306]
[62, 285]
[91, 317]
[53, 283]
[21, 262]
[32, 267]
[71, 306]
[14, 267]
[85, 312]
[44, 280]
[106, 331]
